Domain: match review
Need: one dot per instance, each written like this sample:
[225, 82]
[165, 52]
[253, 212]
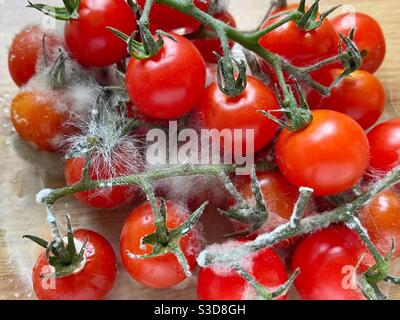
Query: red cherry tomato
[210, 44]
[381, 218]
[93, 281]
[163, 271]
[384, 142]
[26, 50]
[348, 96]
[368, 38]
[327, 259]
[224, 283]
[330, 155]
[110, 196]
[87, 38]
[171, 20]
[298, 46]
[217, 111]
[166, 86]
[39, 120]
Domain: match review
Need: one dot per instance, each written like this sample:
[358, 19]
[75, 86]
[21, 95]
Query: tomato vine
[232, 81]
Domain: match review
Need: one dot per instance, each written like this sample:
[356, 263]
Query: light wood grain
[24, 171]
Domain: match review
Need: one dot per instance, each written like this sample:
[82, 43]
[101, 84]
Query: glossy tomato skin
[39, 120]
[108, 198]
[167, 86]
[163, 271]
[381, 218]
[221, 283]
[207, 46]
[329, 156]
[171, 20]
[26, 50]
[349, 96]
[218, 111]
[368, 38]
[87, 38]
[325, 259]
[384, 140]
[95, 279]
[300, 47]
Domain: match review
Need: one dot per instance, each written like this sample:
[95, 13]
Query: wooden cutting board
[24, 171]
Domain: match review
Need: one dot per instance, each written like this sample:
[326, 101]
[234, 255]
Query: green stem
[135, 179]
[291, 16]
[69, 6]
[248, 40]
[343, 213]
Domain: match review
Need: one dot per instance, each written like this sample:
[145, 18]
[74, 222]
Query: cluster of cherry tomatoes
[331, 155]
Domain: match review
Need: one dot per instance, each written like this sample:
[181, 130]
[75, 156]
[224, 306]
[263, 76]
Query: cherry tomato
[327, 260]
[224, 283]
[329, 156]
[87, 38]
[381, 218]
[40, 119]
[218, 111]
[300, 47]
[210, 43]
[384, 142]
[368, 38]
[171, 20]
[93, 281]
[26, 50]
[159, 272]
[166, 86]
[348, 96]
[111, 196]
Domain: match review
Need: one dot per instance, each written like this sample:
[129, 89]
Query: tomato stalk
[182, 170]
[295, 227]
[243, 212]
[167, 241]
[64, 257]
[309, 20]
[370, 291]
[68, 12]
[298, 226]
[299, 116]
[263, 292]
[273, 5]
[57, 73]
[159, 211]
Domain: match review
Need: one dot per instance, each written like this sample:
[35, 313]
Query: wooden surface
[24, 171]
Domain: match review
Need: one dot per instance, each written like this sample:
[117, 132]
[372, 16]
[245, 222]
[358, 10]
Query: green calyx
[147, 49]
[351, 58]
[231, 76]
[57, 74]
[308, 20]
[64, 258]
[68, 12]
[380, 270]
[253, 216]
[297, 113]
[262, 292]
[164, 240]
